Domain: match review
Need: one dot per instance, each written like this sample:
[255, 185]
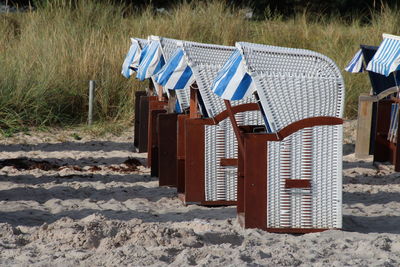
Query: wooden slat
[383, 151]
[167, 139]
[255, 172]
[297, 183]
[229, 162]
[137, 122]
[363, 127]
[194, 161]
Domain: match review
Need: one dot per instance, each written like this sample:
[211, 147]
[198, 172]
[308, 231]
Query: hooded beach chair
[386, 61]
[209, 149]
[129, 67]
[175, 75]
[163, 112]
[381, 87]
[292, 173]
[166, 121]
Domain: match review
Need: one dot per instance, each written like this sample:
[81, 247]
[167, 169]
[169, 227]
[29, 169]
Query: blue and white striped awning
[176, 74]
[387, 58]
[152, 61]
[132, 59]
[356, 65]
[232, 81]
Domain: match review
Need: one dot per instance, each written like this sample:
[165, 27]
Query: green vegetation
[47, 56]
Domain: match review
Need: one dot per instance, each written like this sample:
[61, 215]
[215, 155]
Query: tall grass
[47, 56]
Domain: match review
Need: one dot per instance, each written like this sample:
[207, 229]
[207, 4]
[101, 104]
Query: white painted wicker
[295, 84]
[142, 42]
[205, 61]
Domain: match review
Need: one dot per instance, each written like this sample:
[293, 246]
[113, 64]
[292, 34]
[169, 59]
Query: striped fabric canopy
[132, 59]
[356, 65]
[176, 74]
[152, 61]
[233, 82]
[387, 58]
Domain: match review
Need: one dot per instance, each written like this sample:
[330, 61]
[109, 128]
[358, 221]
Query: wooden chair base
[167, 146]
[366, 122]
[155, 107]
[182, 197]
[386, 151]
[191, 181]
[138, 123]
[253, 180]
[142, 122]
[180, 153]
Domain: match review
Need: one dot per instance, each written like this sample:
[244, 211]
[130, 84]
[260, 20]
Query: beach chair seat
[291, 175]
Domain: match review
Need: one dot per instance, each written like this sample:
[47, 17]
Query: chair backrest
[142, 42]
[205, 61]
[168, 47]
[294, 84]
[379, 82]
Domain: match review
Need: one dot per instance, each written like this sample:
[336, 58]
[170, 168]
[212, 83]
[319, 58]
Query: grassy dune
[48, 55]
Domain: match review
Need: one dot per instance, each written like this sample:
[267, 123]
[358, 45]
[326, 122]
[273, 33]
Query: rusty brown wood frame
[137, 121]
[155, 107]
[384, 149]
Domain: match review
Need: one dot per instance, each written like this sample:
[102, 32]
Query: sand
[80, 202]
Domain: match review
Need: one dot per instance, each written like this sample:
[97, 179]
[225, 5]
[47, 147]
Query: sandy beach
[91, 202]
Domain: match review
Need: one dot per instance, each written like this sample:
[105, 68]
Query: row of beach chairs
[251, 125]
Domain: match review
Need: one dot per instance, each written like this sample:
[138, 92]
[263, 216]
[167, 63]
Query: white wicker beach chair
[293, 175]
[219, 181]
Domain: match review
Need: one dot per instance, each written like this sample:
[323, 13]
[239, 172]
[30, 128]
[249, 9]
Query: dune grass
[47, 56]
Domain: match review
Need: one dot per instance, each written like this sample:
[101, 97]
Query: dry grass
[48, 56]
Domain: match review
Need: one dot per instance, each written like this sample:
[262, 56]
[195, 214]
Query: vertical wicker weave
[205, 61]
[295, 84]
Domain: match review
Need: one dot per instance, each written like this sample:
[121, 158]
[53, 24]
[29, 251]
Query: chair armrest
[236, 109]
[294, 127]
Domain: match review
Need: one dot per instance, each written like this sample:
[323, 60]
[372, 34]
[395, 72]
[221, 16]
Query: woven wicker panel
[183, 97]
[142, 42]
[221, 181]
[309, 97]
[306, 154]
[169, 47]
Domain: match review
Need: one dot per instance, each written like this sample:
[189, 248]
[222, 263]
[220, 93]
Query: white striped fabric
[387, 58]
[152, 61]
[356, 65]
[176, 74]
[233, 82]
[132, 59]
[394, 119]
